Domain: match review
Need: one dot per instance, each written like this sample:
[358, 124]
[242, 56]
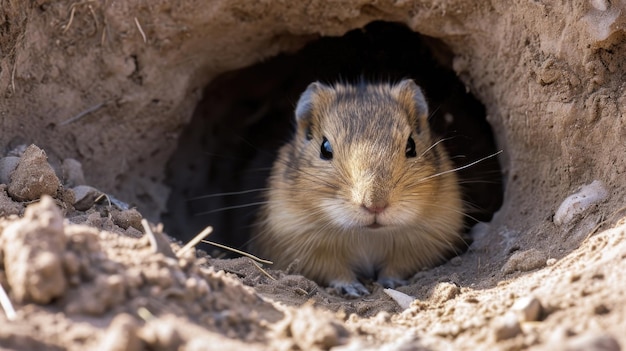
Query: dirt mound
[108, 87]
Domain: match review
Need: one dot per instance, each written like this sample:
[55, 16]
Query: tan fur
[314, 213]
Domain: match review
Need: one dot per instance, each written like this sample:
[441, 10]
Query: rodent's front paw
[389, 282]
[351, 289]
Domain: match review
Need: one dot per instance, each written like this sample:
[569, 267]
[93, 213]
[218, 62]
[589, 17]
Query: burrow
[218, 172]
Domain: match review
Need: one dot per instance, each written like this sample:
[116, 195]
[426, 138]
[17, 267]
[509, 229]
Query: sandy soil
[93, 279]
[105, 88]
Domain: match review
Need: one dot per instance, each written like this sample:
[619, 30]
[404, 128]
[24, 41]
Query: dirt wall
[112, 84]
[550, 77]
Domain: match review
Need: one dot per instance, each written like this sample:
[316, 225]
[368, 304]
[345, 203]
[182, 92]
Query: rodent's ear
[411, 97]
[304, 108]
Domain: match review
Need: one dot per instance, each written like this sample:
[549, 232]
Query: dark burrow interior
[246, 115]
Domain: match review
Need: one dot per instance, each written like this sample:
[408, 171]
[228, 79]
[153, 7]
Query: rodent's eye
[326, 150]
[410, 148]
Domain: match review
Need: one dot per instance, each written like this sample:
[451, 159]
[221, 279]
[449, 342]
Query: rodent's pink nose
[376, 207]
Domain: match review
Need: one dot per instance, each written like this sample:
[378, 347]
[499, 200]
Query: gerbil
[363, 190]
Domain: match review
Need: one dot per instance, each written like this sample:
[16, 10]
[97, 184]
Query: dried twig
[604, 221]
[153, 240]
[145, 314]
[197, 239]
[237, 251]
[101, 196]
[258, 266]
[95, 18]
[301, 291]
[13, 75]
[104, 35]
[6, 304]
[143, 35]
[83, 113]
[69, 23]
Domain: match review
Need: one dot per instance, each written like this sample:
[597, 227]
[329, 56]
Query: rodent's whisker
[259, 169]
[457, 211]
[408, 201]
[459, 168]
[231, 208]
[313, 176]
[406, 173]
[477, 181]
[434, 112]
[227, 194]
[433, 145]
[224, 157]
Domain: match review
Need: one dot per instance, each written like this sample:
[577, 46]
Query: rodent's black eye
[326, 150]
[410, 148]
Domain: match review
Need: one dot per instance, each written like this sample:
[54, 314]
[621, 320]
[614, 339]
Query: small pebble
[403, 300]
[525, 261]
[528, 309]
[85, 196]
[7, 166]
[574, 205]
[127, 218]
[506, 327]
[456, 261]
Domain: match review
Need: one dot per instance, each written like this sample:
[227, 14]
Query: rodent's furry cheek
[403, 215]
[343, 214]
[284, 217]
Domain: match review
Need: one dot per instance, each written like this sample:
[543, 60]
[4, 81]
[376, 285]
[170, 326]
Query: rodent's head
[363, 157]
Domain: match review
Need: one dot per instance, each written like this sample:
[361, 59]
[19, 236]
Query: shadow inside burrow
[246, 115]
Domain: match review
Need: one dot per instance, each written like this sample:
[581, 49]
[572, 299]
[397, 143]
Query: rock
[528, 309]
[7, 166]
[33, 177]
[524, 261]
[577, 203]
[85, 196]
[72, 173]
[506, 327]
[127, 218]
[403, 300]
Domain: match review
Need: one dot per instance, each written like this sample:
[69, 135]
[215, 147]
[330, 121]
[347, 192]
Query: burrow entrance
[246, 115]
